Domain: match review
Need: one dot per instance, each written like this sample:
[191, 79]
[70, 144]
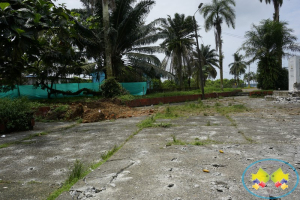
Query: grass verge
[197, 142]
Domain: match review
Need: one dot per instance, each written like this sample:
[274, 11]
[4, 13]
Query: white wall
[294, 72]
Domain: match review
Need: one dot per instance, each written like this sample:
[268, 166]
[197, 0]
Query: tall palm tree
[214, 15]
[277, 4]
[238, 67]
[178, 43]
[264, 43]
[130, 39]
[210, 63]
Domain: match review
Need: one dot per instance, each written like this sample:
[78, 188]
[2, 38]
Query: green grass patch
[5, 145]
[197, 142]
[176, 141]
[231, 109]
[204, 142]
[150, 122]
[108, 154]
[207, 90]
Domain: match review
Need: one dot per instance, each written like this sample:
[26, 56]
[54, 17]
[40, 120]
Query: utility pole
[201, 61]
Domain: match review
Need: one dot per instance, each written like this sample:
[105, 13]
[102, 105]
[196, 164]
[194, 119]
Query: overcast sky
[248, 12]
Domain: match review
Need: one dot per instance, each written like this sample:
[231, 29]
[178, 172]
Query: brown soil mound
[97, 111]
[106, 110]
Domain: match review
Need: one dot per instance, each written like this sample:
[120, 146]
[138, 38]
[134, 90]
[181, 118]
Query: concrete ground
[147, 168]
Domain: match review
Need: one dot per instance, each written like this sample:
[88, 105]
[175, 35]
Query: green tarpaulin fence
[32, 92]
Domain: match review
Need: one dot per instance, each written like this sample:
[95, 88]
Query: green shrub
[15, 114]
[169, 84]
[111, 88]
[156, 84]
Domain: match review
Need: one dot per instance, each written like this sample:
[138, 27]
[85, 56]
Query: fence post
[19, 94]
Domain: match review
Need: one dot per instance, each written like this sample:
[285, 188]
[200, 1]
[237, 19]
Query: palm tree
[178, 43]
[277, 4]
[247, 77]
[214, 15]
[238, 67]
[130, 39]
[264, 43]
[107, 42]
[210, 62]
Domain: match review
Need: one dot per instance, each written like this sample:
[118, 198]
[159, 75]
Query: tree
[106, 29]
[23, 27]
[277, 4]
[90, 6]
[210, 62]
[178, 43]
[214, 15]
[247, 77]
[130, 39]
[238, 67]
[264, 42]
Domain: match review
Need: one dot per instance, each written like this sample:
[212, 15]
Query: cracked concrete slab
[35, 169]
[146, 168]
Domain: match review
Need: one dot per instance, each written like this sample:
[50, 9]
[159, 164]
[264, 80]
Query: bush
[15, 114]
[156, 84]
[111, 88]
[169, 84]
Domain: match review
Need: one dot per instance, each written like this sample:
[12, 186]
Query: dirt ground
[98, 111]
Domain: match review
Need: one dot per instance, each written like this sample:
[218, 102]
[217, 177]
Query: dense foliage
[111, 88]
[15, 114]
[267, 43]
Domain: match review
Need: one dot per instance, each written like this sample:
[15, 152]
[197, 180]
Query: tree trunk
[276, 8]
[106, 39]
[276, 19]
[179, 70]
[221, 61]
[198, 78]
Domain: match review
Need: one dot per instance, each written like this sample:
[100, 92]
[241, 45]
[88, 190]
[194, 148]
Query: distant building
[98, 77]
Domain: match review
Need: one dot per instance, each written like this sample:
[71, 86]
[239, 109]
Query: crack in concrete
[120, 171]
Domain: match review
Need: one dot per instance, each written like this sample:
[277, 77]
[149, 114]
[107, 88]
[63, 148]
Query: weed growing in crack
[197, 142]
[208, 123]
[217, 104]
[150, 122]
[107, 155]
[175, 141]
[146, 123]
[76, 173]
[247, 138]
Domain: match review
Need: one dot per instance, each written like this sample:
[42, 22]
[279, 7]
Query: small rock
[89, 195]
[174, 159]
[219, 190]
[170, 169]
[250, 158]
[3, 136]
[170, 185]
[196, 186]
[113, 185]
